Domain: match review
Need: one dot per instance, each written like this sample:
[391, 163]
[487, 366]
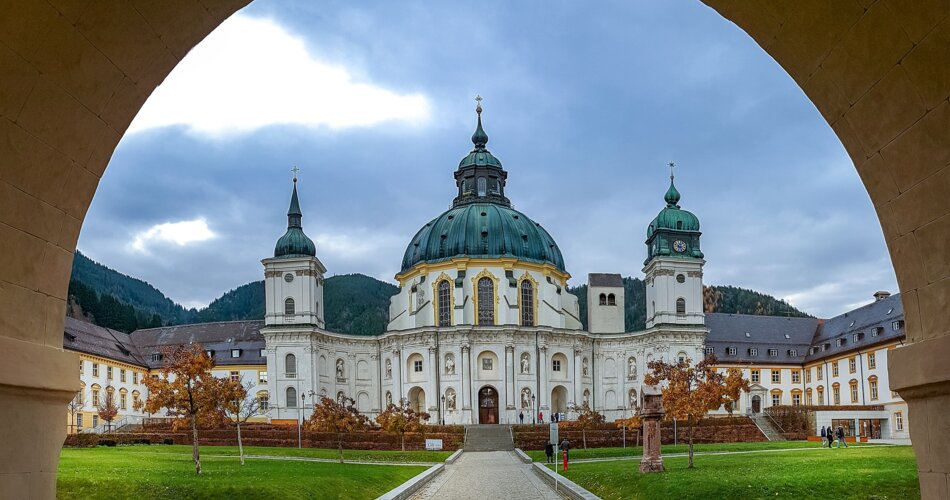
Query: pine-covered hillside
[716, 298]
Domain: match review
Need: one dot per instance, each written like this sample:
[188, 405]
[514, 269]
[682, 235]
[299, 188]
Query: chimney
[881, 295]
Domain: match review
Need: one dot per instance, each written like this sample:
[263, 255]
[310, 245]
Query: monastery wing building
[483, 329]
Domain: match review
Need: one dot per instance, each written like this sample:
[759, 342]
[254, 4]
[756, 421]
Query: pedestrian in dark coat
[566, 446]
[549, 451]
[831, 437]
[841, 440]
[521, 419]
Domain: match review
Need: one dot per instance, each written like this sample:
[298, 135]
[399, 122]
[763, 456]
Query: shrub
[107, 442]
[168, 441]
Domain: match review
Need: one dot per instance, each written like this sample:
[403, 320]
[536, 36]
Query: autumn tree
[402, 419]
[587, 418]
[188, 390]
[735, 386]
[107, 408]
[337, 416]
[632, 422]
[689, 391]
[238, 408]
[73, 407]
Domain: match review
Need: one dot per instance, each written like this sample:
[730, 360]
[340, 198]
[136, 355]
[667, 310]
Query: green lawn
[332, 454]
[865, 472]
[630, 451]
[159, 472]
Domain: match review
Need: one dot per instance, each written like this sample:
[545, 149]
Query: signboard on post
[434, 444]
[554, 439]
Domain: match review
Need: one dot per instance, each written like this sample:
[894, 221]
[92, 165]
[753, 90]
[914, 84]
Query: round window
[680, 278]
[288, 277]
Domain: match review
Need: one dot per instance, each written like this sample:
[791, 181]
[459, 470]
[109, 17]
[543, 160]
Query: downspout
[379, 373]
[864, 400]
[537, 375]
[438, 378]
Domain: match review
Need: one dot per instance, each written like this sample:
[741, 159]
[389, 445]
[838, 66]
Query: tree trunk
[690, 442]
[584, 434]
[194, 443]
[402, 440]
[240, 445]
[340, 441]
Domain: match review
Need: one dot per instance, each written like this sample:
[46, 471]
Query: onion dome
[482, 230]
[673, 217]
[294, 243]
[480, 156]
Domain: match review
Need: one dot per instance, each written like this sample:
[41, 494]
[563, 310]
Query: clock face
[679, 246]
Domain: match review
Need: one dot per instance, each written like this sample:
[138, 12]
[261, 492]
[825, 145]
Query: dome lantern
[294, 243]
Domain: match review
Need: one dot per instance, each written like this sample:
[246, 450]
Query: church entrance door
[756, 404]
[487, 405]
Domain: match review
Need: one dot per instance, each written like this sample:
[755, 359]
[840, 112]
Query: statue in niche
[586, 397]
[340, 397]
[449, 364]
[632, 403]
[450, 400]
[389, 368]
[585, 367]
[339, 368]
[389, 398]
[525, 398]
[632, 368]
[525, 363]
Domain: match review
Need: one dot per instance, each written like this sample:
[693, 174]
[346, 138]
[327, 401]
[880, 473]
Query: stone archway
[76, 74]
[487, 405]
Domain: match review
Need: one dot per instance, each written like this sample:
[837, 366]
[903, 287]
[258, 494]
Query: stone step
[488, 438]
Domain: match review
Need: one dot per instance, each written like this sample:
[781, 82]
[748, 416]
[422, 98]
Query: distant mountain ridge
[353, 303]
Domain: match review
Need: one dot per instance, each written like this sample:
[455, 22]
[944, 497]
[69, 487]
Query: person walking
[540, 417]
[566, 446]
[840, 434]
[823, 436]
[831, 436]
[521, 419]
[549, 451]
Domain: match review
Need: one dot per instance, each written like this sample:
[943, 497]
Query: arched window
[445, 303]
[611, 300]
[681, 307]
[603, 299]
[527, 303]
[290, 366]
[291, 397]
[482, 186]
[289, 306]
[486, 301]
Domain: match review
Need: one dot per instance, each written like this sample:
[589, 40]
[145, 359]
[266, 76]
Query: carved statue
[525, 398]
[586, 397]
[339, 368]
[449, 364]
[632, 368]
[389, 368]
[340, 396]
[585, 367]
[525, 363]
[633, 398]
[389, 398]
[450, 400]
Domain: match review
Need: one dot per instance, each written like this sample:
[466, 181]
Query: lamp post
[303, 404]
[442, 410]
[534, 410]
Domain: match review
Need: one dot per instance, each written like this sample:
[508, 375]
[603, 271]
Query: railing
[124, 422]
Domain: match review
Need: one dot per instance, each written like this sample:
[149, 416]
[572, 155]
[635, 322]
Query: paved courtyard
[488, 475]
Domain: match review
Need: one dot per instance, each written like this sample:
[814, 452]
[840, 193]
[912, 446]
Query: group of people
[833, 436]
[565, 447]
[555, 417]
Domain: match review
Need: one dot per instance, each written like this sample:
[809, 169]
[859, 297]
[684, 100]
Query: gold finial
[295, 170]
[671, 164]
[478, 104]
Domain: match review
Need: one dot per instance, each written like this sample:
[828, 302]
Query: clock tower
[674, 266]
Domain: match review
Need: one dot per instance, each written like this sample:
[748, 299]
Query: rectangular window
[837, 391]
[417, 365]
[898, 421]
[876, 331]
[796, 376]
[776, 399]
[873, 386]
[122, 401]
[808, 375]
[156, 356]
[262, 377]
[776, 376]
[808, 398]
[235, 353]
[109, 373]
[95, 397]
[235, 376]
[731, 351]
[95, 369]
[773, 352]
[839, 342]
[753, 351]
[135, 377]
[95, 420]
[872, 361]
[486, 364]
[896, 326]
[263, 353]
[710, 350]
[852, 365]
[793, 353]
[135, 400]
[834, 368]
[796, 399]
[854, 393]
[263, 401]
[122, 375]
[556, 365]
[820, 372]
[79, 420]
[755, 376]
[80, 367]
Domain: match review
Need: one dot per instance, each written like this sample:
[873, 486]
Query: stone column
[543, 389]
[651, 415]
[578, 377]
[433, 400]
[397, 377]
[465, 380]
[509, 377]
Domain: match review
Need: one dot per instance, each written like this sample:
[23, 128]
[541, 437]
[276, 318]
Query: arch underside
[75, 73]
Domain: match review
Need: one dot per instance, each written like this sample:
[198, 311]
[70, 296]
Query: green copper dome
[482, 230]
[480, 156]
[294, 243]
[673, 217]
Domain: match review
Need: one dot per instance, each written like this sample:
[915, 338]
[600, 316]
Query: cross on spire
[295, 170]
[478, 104]
[671, 165]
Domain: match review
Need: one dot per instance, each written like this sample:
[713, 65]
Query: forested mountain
[716, 298]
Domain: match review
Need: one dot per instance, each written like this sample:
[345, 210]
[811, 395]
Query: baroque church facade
[483, 328]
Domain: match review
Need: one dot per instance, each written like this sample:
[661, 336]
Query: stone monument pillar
[651, 412]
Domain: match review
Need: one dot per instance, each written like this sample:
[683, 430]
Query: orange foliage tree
[188, 390]
[402, 419]
[631, 422]
[587, 418]
[689, 391]
[107, 408]
[338, 417]
[238, 408]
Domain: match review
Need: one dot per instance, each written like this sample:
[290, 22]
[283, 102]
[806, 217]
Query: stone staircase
[768, 427]
[488, 438]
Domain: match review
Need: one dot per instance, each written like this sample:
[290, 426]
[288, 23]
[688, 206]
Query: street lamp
[442, 410]
[534, 409]
[303, 404]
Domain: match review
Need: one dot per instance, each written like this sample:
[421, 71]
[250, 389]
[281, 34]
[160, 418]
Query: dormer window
[210, 353]
[839, 342]
[773, 352]
[897, 325]
[753, 351]
[731, 351]
[235, 353]
[793, 353]
[876, 331]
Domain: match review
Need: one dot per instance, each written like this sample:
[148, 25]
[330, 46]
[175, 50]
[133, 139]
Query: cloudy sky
[584, 104]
